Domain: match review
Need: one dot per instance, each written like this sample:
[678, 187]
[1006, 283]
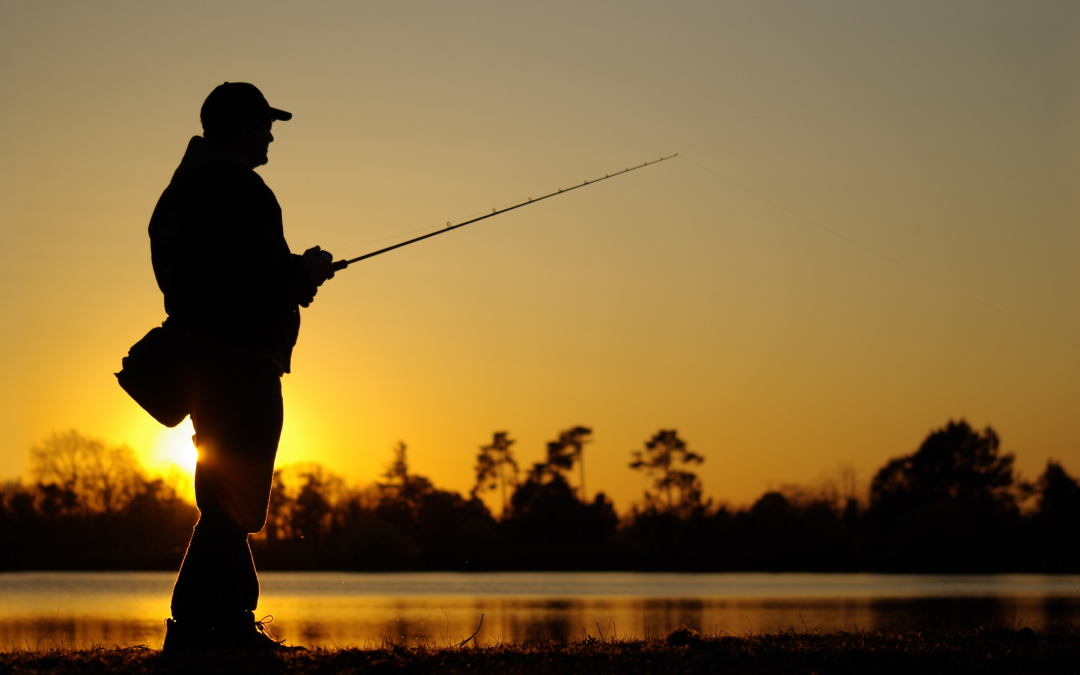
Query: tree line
[956, 504]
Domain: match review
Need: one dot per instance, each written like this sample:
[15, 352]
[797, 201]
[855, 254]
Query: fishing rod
[342, 264]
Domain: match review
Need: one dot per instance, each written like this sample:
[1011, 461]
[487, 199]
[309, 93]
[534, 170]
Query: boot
[247, 634]
[241, 633]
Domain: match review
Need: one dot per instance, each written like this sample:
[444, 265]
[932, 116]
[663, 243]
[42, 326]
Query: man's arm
[266, 271]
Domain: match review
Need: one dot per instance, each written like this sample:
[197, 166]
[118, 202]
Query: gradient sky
[871, 228]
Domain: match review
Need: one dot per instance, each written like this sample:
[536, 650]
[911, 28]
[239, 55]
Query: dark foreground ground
[996, 650]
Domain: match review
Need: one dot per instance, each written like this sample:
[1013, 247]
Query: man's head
[236, 114]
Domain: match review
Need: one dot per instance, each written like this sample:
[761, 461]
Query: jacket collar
[201, 151]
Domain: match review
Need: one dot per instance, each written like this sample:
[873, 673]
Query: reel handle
[328, 257]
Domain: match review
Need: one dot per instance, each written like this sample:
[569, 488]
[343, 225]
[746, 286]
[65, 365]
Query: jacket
[230, 282]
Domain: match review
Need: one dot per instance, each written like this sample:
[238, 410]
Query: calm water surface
[327, 609]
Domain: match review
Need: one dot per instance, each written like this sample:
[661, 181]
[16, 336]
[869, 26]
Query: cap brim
[281, 115]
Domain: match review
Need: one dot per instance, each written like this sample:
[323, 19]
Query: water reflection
[82, 609]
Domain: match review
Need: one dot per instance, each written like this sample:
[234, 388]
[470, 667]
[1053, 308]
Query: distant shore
[994, 650]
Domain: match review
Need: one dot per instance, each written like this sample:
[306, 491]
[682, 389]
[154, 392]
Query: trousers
[236, 409]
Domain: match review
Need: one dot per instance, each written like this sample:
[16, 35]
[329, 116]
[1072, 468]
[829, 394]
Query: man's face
[255, 139]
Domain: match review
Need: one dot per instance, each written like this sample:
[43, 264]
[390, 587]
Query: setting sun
[175, 447]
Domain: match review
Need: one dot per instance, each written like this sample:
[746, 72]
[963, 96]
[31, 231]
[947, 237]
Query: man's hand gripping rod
[342, 264]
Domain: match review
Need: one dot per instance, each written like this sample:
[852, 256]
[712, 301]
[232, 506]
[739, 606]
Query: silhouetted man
[232, 292]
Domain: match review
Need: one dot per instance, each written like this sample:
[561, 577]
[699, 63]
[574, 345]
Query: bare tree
[104, 478]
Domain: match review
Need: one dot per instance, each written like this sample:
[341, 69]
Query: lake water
[328, 609]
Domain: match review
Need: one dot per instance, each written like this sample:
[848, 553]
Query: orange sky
[903, 248]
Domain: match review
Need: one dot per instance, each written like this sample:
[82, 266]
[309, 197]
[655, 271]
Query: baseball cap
[235, 101]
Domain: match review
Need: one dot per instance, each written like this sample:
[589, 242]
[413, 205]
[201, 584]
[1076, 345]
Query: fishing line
[885, 257]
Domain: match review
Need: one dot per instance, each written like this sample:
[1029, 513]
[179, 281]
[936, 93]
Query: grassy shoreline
[995, 650]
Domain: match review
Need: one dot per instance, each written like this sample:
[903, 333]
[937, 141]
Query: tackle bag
[154, 373]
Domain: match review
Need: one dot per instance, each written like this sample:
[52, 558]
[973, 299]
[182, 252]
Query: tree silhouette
[1059, 493]
[92, 508]
[561, 456]
[496, 467]
[951, 506]
[546, 514]
[403, 496]
[424, 513]
[311, 511]
[397, 474]
[953, 463]
[1058, 513]
[948, 507]
[667, 459]
[99, 477]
